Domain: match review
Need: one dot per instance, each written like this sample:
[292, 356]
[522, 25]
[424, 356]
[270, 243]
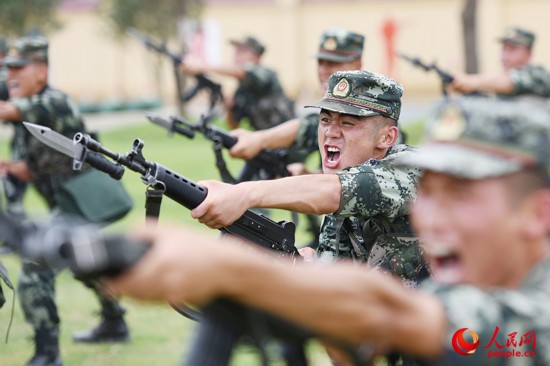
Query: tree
[20, 17]
[160, 19]
[469, 29]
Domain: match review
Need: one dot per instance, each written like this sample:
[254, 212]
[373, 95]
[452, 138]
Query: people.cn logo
[461, 345]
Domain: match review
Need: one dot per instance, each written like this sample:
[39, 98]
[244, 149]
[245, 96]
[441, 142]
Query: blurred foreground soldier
[33, 100]
[519, 77]
[339, 50]
[482, 213]
[259, 96]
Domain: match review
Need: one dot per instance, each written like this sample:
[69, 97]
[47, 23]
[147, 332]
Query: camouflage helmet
[26, 50]
[362, 93]
[250, 43]
[518, 36]
[477, 138]
[340, 45]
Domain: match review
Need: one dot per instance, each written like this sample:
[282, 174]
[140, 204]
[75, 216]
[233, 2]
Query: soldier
[14, 188]
[518, 78]
[339, 50]
[364, 199]
[33, 100]
[483, 214]
[10, 199]
[259, 97]
[368, 222]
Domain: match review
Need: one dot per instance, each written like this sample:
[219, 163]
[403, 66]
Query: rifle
[277, 236]
[272, 163]
[269, 163]
[202, 82]
[445, 77]
[75, 244]
[250, 226]
[71, 242]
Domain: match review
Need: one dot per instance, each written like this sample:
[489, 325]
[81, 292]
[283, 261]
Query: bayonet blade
[156, 119]
[55, 140]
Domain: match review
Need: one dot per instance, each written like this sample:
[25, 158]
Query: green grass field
[160, 336]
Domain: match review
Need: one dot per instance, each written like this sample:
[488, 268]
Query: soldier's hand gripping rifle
[445, 77]
[271, 163]
[202, 82]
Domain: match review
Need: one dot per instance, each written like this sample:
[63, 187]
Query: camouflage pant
[36, 292]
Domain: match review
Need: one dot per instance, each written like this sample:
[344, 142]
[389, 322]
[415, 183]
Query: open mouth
[445, 264]
[333, 154]
[332, 157]
[13, 86]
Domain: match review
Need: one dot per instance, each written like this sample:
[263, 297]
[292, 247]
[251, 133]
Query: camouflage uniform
[519, 310]
[372, 223]
[48, 169]
[527, 79]
[530, 80]
[479, 138]
[11, 188]
[259, 96]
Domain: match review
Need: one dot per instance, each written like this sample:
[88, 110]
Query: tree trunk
[469, 31]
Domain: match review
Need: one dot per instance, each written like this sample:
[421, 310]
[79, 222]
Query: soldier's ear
[537, 212]
[388, 137]
[42, 72]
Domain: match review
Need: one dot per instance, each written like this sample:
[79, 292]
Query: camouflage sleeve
[530, 79]
[378, 187]
[504, 320]
[57, 111]
[31, 111]
[306, 137]
[52, 109]
[257, 78]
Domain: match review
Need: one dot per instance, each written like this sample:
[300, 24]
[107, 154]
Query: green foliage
[19, 17]
[159, 18]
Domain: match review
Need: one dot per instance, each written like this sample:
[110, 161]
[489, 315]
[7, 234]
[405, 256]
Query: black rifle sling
[153, 199]
[220, 162]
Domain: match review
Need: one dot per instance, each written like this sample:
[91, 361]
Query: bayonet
[171, 126]
[55, 140]
[73, 149]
